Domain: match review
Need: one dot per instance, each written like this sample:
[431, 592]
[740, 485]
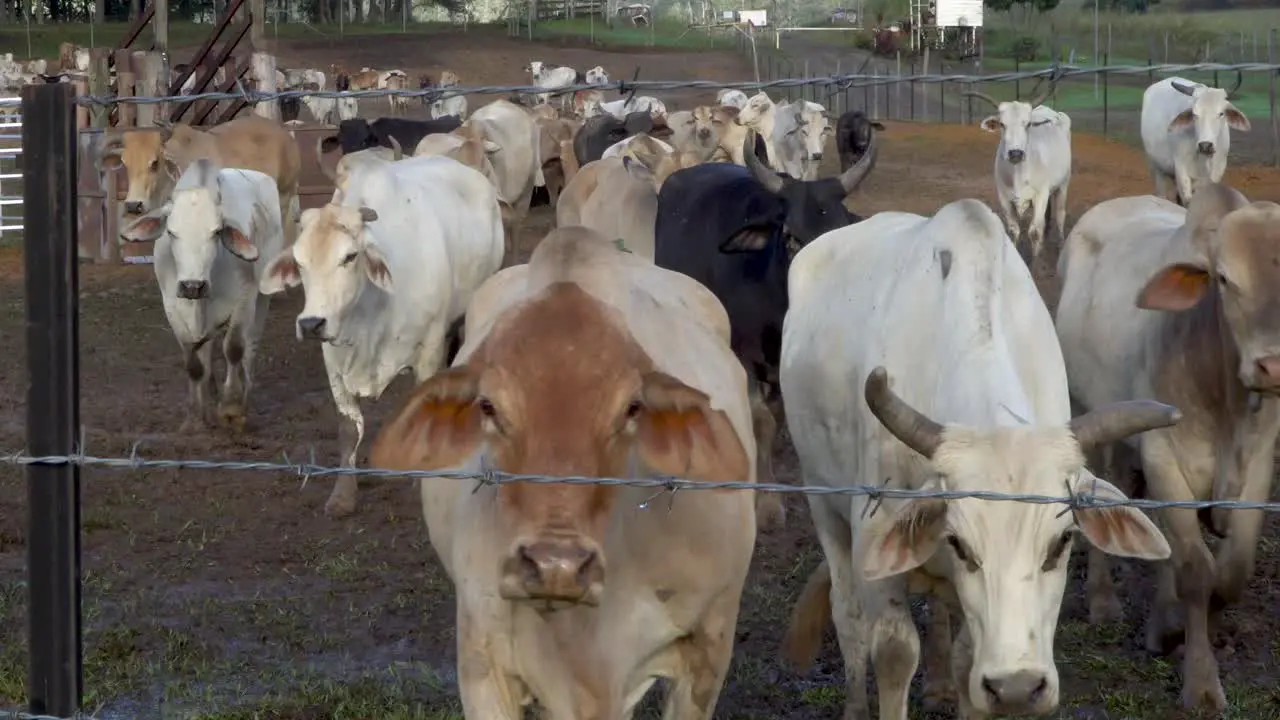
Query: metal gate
[10, 169]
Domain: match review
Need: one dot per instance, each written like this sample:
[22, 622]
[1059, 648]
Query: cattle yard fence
[10, 169]
[56, 452]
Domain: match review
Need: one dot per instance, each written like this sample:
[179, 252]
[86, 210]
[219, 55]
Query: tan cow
[587, 361]
[1211, 274]
[399, 103]
[692, 131]
[731, 134]
[551, 132]
[614, 196]
[155, 158]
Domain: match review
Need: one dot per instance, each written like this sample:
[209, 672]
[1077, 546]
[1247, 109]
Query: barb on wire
[670, 484]
[844, 81]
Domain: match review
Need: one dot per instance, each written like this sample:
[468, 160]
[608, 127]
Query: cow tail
[809, 619]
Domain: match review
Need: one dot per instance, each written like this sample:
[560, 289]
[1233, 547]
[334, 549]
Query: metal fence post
[53, 398]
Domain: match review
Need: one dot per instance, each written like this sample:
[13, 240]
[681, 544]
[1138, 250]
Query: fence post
[264, 72]
[1106, 99]
[1271, 94]
[50, 253]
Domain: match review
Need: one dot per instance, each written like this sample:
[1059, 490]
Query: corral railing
[10, 168]
[55, 452]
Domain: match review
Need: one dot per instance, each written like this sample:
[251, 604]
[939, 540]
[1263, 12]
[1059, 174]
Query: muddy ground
[232, 596]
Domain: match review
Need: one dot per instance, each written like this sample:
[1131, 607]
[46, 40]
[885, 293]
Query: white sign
[759, 18]
[959, 13]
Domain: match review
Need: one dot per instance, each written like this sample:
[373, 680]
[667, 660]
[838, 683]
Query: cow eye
[633, 409]
[155, 165]
[486, 408]
[1057, 551]
[349, 258]
[958, 547]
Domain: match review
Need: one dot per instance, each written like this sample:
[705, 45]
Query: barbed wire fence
[55, 451]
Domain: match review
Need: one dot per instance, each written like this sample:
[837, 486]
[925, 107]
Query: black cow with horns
[732, 228]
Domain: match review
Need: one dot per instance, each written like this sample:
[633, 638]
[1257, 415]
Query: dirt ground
[232, 595]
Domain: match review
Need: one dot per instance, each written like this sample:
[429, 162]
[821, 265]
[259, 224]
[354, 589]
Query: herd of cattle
[700, 276]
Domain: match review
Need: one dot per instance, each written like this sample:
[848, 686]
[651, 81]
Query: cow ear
[748, 239]
[1236, 120]
[1175, 288]
[1184, 119]
[1118, 530]
[280, 274]
[375, 265]
[439, 426]
[238, 243]
[991, 123]
[903, 540]
[491, 147]
[149, 226]
[679, 434]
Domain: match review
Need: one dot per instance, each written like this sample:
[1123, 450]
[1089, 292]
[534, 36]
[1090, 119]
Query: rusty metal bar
[204, 107]
[136, 28]
[202, 81]
[229, 86]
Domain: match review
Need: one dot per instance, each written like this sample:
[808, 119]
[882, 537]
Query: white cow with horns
[387, 271]
[553, 77]
[1186, 132]
[208, 237]
[1032, 167]
[978, 402]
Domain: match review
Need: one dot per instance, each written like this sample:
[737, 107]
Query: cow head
[1007, 561]
[1211, 113]
[151, 170]
[530, 401]
[196, 227]
[1237, 261]
[1014, 120]
[356, 134]
[467, 145]
[815, 127]
[758, 107]
[813, 207]
[697, 127]
[535, 69]
[597, 76]
[336, 261]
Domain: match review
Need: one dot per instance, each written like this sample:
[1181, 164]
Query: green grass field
[663, 33]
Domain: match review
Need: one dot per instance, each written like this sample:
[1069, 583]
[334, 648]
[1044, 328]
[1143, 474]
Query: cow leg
[1012, 223]
[289, 211]
[939, 686]
[486, 691]
[201, 390]
[1195, 573]
[705, 655]
[1165, 187]
[239, 348]
[1186, 187]
[895, 648]
[1059, 208]
[1035, 233]
[771, 513]
[342, 501]
[1100, 586]
[836, 538]
[1254, 456]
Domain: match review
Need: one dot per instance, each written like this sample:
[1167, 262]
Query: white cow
[621, 147]
[596, 76]
[1032, 167]
[1186, 132]
[552, 77]
[329, 111]
[800, 131]
[452, 105]
[736, 98]
[386, 272]
[977, 402]
[1175, 304]
[208, 237]
[621, 108]
[512, 131]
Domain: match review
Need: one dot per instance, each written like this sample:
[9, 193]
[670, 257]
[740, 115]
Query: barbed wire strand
[308, 471]
[847, 81]
[17, 715]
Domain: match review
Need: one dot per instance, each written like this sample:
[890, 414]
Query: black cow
[360, 134]
[853, 136]
[601, 131]
[730, 228]
[290, 108]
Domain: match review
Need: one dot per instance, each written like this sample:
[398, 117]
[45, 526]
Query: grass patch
[360, 700]
[663, 34]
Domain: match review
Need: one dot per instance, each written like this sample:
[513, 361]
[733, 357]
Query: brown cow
[154, 158]
[587, 361]
[1212, 271]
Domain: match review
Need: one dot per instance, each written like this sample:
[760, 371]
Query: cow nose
[1268, 369]
[1018, 693]
[311, 327]
[704, 134]
[1205, 148]
[192, 289]
[816, 157]
[1016, 156]
[133, 207]
[567, 570]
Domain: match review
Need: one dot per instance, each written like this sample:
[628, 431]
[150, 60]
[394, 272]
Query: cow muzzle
[134, 207]
[311, 328]
[1025, 692]
[816, 157]
[704, 134]
[558, 571]
[193, 289]
[1206, 148]
[1016, 156]
[1265, 375]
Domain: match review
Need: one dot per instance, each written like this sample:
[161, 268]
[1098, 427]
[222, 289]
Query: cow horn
[1120, 420]
[850, 179]
[397, 153]
[1231, 94]
[1187, 90]
[984, 97]
[909, 425]
[329, 172]
[1038, 100]
[764, 175]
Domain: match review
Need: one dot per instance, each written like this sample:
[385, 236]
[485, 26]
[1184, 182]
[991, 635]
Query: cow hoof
[939, 697]
[1164, 631]
[339, 507]
[233, 416]
[1205, 694]
[1105, 610]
